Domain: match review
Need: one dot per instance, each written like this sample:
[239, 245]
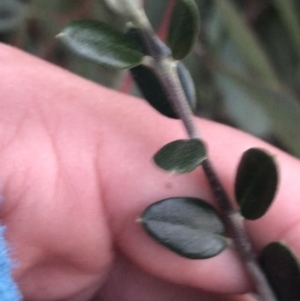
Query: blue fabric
[8, 288]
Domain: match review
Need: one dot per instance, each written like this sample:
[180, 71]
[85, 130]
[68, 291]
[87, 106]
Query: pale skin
[76, 173]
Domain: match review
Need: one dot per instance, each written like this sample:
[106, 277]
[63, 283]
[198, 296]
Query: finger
[128, 282]
[56, 225]
[131, 133]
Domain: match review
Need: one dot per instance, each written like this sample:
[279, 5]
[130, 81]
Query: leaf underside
[282, 270]
[181, 156]
[188, 226]
[101, 43]
[256, 183]
[184, 28]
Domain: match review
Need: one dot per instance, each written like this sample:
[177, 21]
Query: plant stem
[166, 71]
[171, 83]
[165, 68]
[232, 218]
[235, 225]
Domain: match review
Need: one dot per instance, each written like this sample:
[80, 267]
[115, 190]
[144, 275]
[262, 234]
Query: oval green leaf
[188, 226]
[256, 183]
[282, 271]
[181, 156]
[101, 43]
[184, 28]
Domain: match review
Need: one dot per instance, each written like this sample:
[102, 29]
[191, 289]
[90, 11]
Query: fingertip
[223, 273]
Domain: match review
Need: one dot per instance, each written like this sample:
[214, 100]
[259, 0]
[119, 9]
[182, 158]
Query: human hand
[76, 172]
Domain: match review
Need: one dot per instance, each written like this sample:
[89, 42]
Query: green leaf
[256, 183]
[188, 226]
[181, 156]
[101, 43]
[282, 270]
[245, 41]
[184, 28]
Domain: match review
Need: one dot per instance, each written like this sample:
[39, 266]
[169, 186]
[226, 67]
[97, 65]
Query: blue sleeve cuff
[8, 288]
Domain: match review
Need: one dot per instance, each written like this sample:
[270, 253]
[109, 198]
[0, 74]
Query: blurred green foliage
[246, 66]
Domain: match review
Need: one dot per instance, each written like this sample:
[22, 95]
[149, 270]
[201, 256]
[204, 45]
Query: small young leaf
[256, 183]
[181, 156]
[101, 43]
[188, 226]
[282, 270]
[184, 28]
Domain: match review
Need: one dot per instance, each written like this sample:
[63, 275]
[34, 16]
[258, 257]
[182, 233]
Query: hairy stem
[232, 218]
[171, 83]
[166, 71]
[234, 223]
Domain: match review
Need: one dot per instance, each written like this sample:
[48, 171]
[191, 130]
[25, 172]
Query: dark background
[245, 66]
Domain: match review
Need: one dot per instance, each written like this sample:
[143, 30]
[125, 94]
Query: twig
[167, 74]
